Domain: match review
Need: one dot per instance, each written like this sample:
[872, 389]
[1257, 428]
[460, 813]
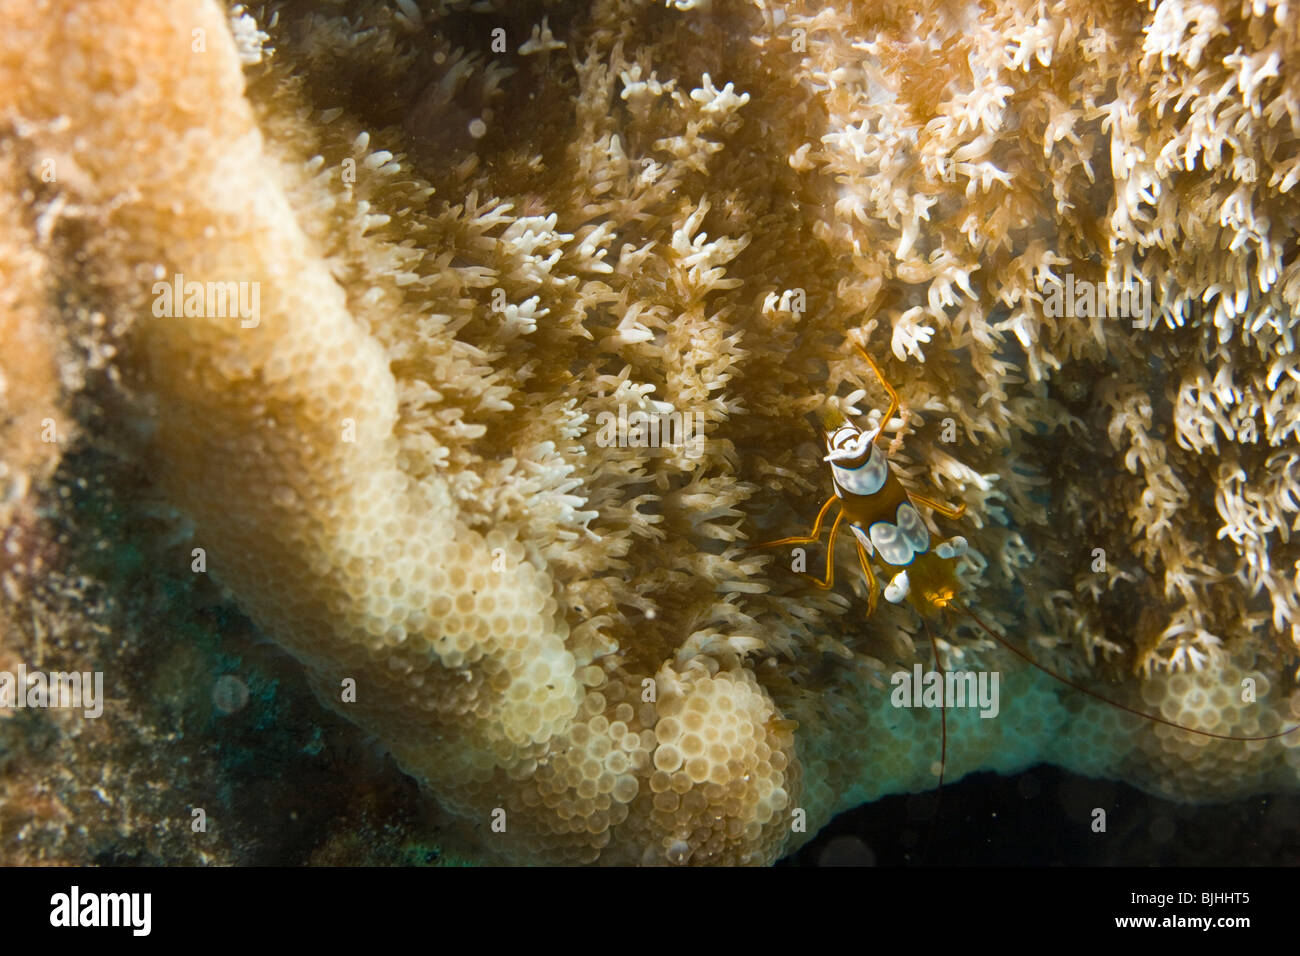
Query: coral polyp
[455, 244]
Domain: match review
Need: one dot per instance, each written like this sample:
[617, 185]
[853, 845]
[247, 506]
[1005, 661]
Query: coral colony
[465, 351]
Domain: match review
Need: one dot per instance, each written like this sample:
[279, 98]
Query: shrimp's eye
[842, 437]
[846, 442]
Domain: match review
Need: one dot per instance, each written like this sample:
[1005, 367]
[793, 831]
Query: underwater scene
[644, 433]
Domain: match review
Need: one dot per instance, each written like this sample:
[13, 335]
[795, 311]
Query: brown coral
[396, 466]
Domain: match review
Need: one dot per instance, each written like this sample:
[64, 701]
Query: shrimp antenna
[943, 709]
[1101, 697]
[943, 738]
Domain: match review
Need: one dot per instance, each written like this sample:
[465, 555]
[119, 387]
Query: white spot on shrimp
[899, 588]
[901, 541]
[867, 478]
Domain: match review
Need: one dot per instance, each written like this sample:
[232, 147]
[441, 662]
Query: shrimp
[889, 529]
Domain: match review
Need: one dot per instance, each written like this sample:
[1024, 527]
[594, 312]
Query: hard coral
[395, 464]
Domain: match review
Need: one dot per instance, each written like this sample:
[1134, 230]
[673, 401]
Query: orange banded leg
[948, 511]
[810, 537]
[870, 575]
[830, 555]
[893, 395]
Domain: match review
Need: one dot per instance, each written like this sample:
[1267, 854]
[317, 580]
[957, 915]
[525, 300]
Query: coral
[32, 417]
[467, 258]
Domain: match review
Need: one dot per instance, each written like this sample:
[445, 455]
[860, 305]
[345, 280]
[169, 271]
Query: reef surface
[345, 319]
